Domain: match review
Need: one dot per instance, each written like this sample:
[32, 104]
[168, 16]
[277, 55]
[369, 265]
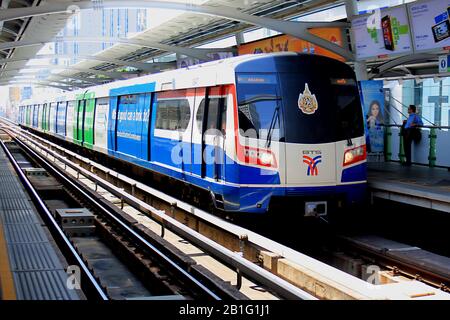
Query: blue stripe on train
[356, 173]
[232, 172]
[252, 199]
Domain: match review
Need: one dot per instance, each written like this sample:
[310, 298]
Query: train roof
[201, 75]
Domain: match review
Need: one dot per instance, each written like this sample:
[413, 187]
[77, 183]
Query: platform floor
[30, 268]
[417, 185]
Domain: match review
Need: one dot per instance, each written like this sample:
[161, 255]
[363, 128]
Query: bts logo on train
[312, 159]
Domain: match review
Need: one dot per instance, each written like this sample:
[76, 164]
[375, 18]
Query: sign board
[384, 32]
[188, 61]
[288, 43]
[444, 64]
[430, 24]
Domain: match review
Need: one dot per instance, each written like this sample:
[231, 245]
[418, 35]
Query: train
[255, 133]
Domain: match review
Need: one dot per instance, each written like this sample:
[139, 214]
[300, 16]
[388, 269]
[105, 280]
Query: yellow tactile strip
[7, 289]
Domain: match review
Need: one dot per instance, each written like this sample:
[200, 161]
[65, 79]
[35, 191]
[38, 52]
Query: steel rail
[253, 238]
[245, 267]
[90, 286]
[402, 265]
[206, 292]
[260, 241]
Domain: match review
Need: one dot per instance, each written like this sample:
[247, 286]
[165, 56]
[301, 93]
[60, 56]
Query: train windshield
[321, 107]
[302, 106]
[258, 106]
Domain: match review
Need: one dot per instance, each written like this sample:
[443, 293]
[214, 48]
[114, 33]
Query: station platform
[31, 267]
[414, 185]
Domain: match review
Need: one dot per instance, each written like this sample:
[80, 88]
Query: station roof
[188, 29]
[191, 29]
[43, 27]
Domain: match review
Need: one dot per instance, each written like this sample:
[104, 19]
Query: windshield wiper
[272, 126]
[259, 98]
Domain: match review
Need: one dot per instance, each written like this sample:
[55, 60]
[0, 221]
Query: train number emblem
[312, 163]
[307, 102]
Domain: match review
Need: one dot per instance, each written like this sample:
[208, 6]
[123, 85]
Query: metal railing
[431, 150]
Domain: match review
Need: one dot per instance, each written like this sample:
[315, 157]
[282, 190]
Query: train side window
[215, 104]
[213, 111]
[161, 117]
[185, 114]
[173, 114]
[200, 114]
[223, 117]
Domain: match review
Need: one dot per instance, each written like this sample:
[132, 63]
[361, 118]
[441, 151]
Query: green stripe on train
[84, 107]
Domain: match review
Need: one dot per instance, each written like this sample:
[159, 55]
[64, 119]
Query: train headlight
[355, 155]
[348, 157]
[260, 157]
[266, 158]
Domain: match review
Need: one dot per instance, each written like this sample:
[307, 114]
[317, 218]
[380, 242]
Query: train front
[300, 118]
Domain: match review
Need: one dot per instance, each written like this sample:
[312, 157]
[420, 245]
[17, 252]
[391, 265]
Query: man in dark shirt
[410, 125]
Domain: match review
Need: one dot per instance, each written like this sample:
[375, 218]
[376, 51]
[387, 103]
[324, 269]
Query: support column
[351, 7]
[239, 38]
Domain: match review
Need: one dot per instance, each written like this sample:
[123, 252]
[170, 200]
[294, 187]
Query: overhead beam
[399, 61]
[151, 67]
[38, 83]
[57, 76]
[293, 28]
[112, 75]
[197, 53]
[78, 85]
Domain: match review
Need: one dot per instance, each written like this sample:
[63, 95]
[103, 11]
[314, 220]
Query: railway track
[399, 263]
[89, 284]
[138, 247]
[277, 268]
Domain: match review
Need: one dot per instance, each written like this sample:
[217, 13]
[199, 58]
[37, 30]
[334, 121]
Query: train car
[255, 132]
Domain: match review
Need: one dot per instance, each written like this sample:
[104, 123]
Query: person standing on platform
[411, 131]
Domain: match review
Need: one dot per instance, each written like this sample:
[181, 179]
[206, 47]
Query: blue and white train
[289, 130]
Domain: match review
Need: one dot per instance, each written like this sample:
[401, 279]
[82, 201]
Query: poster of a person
[374, 116]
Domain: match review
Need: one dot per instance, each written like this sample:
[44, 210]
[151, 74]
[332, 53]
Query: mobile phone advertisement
[383, 32]
[430, 24]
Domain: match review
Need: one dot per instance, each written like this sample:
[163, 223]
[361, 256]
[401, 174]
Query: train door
[27, 115]
[35, 116]
[171, 132]
[78, 134]
[213, 133]
[197, 143]
[101, 123]
[47, 117]
[128, 127]
[71, 120]
[53, 114]
[61, 115]
[88, 123]
[44, 117]
[185, 138]
[39, 109]
[145, 111]
[44, 111]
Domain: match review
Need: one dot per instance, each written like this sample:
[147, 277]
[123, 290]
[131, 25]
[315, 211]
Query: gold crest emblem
[307, 102]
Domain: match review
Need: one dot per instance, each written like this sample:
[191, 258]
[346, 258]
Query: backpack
[416, 132]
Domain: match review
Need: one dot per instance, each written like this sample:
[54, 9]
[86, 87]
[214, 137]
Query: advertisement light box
[382, 33]
[430, 23]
